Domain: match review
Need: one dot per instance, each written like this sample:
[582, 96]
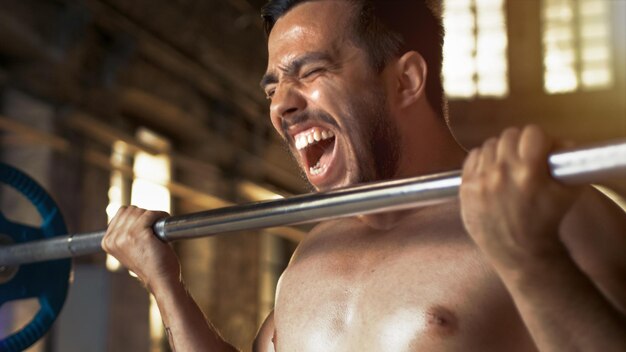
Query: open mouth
[316, 147]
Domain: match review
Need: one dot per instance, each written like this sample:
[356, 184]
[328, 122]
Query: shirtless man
[521, 263]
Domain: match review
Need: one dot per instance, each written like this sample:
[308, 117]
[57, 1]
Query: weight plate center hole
[7, 272]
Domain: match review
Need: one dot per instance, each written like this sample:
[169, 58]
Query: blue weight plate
[47, 281]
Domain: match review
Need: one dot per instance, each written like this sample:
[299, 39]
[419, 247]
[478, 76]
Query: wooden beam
[19, 41]
[164, 55]
[108, 135]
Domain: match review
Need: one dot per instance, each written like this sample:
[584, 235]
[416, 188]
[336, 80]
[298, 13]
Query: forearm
[562, 308]
[185, 324]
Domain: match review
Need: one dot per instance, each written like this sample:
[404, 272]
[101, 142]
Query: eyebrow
[294, 66]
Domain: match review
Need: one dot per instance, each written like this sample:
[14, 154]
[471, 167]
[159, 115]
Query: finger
[117, 216]
[129, 222]
[149, 218]
[471, 162]
[534, 144]
[119, 231]
[488, 154]
[113, 224]
[507, 145]
[158, 215]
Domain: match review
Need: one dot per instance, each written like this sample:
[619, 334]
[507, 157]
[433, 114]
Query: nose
[286, 102]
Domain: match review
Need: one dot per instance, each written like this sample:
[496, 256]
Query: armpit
[265, 338]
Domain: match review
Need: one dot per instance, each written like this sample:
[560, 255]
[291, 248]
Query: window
[576, 44]
[475, 49]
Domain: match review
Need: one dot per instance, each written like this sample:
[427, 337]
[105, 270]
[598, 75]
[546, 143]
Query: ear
[411, 70]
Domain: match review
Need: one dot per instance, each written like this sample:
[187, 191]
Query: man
[355, 92]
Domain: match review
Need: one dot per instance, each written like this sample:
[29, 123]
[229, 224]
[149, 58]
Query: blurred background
[156, 103]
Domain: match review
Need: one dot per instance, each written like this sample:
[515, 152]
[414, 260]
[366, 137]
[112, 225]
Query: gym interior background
[156, 103]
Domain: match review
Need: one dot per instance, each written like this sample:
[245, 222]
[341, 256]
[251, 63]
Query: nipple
[442, 321]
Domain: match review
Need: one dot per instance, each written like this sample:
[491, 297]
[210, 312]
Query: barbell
[36, 253]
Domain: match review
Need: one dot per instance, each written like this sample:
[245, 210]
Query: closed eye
[269, 94]
[312, 72]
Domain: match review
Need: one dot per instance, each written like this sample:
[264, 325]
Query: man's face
[327, 102]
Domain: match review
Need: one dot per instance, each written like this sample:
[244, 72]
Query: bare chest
[414, 296]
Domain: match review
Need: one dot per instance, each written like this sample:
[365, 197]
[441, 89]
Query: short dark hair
[387, 29]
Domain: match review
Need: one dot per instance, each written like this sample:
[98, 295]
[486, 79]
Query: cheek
[318, 95]
[329, 97]
[315, 95]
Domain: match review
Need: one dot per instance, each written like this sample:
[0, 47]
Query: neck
[428, 147]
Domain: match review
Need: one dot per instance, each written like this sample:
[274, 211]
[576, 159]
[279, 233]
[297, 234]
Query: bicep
[264, 341]
[595, 233]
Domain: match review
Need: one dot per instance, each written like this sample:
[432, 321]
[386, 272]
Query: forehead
[320, 26]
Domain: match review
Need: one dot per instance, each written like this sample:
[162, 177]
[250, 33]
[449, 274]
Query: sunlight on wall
[576, 43]
[475, 48]
[151, 173]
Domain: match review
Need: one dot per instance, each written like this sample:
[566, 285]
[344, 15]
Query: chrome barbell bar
[574, 166]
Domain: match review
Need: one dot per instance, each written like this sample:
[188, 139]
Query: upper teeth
[312, 136]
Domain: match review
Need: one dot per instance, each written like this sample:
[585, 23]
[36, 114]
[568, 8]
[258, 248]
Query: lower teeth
[317, 169]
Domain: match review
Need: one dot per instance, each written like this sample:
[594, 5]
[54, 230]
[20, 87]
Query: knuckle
[480, 186]
[498, 177]
[109, 245]
[119, 242]
[105, 244]
[526, 180]
[121, 210]
[106, 240]
[148, 217]
[502, 166]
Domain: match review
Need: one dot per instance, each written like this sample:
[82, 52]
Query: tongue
[318, 153]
